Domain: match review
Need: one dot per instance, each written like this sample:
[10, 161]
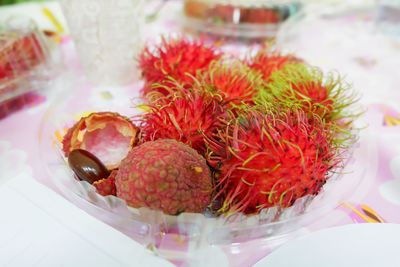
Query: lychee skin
[165, 175]
[106, 186]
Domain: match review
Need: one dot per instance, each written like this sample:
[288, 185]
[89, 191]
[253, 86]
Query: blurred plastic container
[107, 38]
[23, 63]
[253, 19]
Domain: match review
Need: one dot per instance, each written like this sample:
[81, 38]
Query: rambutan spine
[235, 81]
[305, 87]
[188, 116]
[266, 62]
[271, 158]
[178, 58]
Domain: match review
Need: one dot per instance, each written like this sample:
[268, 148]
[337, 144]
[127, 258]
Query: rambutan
[305, 87]
[235, 81]
[271, 159]
[267, 62]
[165, 175]
[178, 58]
[188, 117]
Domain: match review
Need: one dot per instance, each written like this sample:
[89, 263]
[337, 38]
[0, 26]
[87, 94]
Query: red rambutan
[267, 62]
[271, 160]
[188, 117]
[236, 82]
[179, 59]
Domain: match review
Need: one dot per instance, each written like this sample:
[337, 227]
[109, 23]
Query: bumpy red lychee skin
[165, 175]
[176, 58]
[272, 160]
[106, 187]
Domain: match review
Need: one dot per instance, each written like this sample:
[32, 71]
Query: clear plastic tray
[183, 237]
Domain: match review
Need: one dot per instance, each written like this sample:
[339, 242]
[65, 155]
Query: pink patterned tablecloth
[375, 200]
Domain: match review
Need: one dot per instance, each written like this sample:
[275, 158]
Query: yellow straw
[53, 19]
[391, 121]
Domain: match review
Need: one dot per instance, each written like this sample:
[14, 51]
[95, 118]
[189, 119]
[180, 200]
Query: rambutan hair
[177, 58]
[271, 158]
[267, 62]
[188, 116]
[235, 81]
[305, 87]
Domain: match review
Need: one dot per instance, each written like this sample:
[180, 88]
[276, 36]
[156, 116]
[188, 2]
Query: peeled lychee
[107, 135]
[165, 175]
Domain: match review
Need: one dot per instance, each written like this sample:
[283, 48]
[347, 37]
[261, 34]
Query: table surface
[40, 225]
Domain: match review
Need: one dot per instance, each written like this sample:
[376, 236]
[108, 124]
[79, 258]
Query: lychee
[106, 186]
[107, 135]
[165, 175]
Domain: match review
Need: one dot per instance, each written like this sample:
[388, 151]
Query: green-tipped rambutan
[302, 86]
[177, 58]
[271, 159]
